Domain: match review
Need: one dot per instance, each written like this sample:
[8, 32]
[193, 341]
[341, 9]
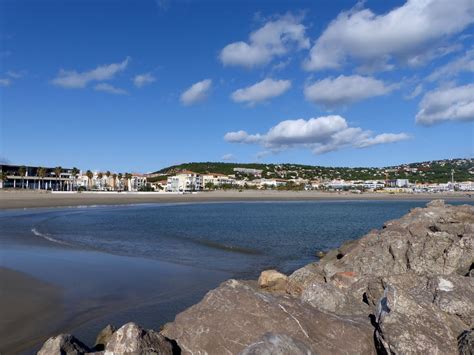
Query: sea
[148, 262]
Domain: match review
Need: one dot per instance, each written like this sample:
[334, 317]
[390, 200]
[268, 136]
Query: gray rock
[103, 337]
[434, 240]
[63, 344]
[277, 344]
[237, 314]
[132, 339]
[409, 319]
[299, 280]
[324, 296]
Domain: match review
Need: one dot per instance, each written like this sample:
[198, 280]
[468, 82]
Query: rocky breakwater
[407, 288]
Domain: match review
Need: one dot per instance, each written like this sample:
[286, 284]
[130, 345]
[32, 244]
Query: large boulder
[238, 314]
[438, 239]
[299, 280]
[423, 314]
[63, 344]
[132, 339]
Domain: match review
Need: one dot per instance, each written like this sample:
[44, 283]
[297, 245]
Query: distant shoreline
[37, 199]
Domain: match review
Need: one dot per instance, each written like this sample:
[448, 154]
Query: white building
[254, 172]
[374, 184]
[185, 181]
[217, 180]
[137, 182]
[399, 183]
[272, 182]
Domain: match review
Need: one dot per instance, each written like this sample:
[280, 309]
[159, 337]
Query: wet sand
[27, 305]
[35, 199]
[47, 289]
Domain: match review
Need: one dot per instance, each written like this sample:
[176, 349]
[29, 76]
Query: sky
[130, 85]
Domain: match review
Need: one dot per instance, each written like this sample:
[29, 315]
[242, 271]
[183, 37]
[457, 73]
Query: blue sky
[140, 85]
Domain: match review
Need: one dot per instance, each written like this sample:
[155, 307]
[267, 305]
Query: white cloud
[228, 157]
[72, 79]
[196, 93]
[411, 34]
[321, 135]
[5, 82]
[261, 91]
[453, 68]
[141, 80]
[345, 90]
[16, 74]
[104, 87]
[447, 104]
[416, 92]
[273, 39]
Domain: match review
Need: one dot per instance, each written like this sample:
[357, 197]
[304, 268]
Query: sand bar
[36, 199]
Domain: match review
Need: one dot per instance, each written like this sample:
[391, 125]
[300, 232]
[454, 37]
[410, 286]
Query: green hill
[429, 171]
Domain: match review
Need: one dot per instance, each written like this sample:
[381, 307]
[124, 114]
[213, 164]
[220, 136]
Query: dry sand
[33, 199]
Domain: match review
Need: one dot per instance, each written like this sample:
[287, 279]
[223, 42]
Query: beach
[36, 199]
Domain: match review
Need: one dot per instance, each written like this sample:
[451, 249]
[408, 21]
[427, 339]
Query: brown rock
[236, 315]
[273, 280]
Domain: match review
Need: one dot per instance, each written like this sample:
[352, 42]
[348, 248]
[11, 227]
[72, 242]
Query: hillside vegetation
[430, 171]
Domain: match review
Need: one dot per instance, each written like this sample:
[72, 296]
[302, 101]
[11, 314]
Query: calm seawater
[240, 238]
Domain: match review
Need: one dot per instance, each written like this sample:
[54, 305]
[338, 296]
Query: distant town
[433, 176]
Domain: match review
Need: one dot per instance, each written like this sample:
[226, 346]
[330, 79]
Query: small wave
[226, 247]
[48, 237]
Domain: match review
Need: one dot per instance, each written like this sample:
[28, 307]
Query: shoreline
[11, 200]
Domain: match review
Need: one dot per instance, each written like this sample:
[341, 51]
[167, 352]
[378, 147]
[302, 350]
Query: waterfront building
[185, 181]
[217, 180]
[31, 177]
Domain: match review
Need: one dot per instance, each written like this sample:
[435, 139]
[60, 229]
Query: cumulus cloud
[273, 39]
[447, 104]
[453, 68]
[321, 135]
[261, 91]
[411, 34]
[141, 80]
[196, 93]
[104, 87]
[5, 82]
[72, 79]
[345, 90]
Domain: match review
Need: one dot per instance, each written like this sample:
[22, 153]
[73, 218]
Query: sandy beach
[36, 199]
